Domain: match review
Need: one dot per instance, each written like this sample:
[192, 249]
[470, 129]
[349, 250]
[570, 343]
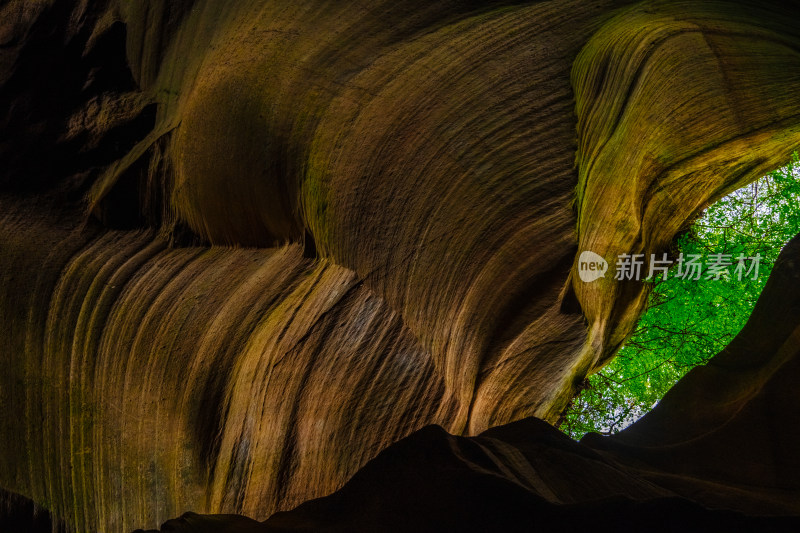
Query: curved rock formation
[716, 454]
[248, 245]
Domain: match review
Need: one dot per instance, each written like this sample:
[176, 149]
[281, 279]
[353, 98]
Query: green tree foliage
[688, 321]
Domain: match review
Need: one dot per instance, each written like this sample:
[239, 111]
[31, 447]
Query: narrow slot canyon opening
[721, 264]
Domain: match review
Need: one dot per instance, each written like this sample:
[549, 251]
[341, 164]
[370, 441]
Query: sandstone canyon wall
[247, 245]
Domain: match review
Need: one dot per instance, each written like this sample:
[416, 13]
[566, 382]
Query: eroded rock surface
[716, 454]
[245, 246]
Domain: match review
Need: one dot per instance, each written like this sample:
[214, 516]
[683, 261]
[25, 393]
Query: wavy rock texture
[707, 458]
[678, 104]
[248, 245]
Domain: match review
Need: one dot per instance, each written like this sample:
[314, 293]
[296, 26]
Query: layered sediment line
[247, 245]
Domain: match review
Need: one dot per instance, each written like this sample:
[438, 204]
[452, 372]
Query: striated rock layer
[716, 454]
[245, 246]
